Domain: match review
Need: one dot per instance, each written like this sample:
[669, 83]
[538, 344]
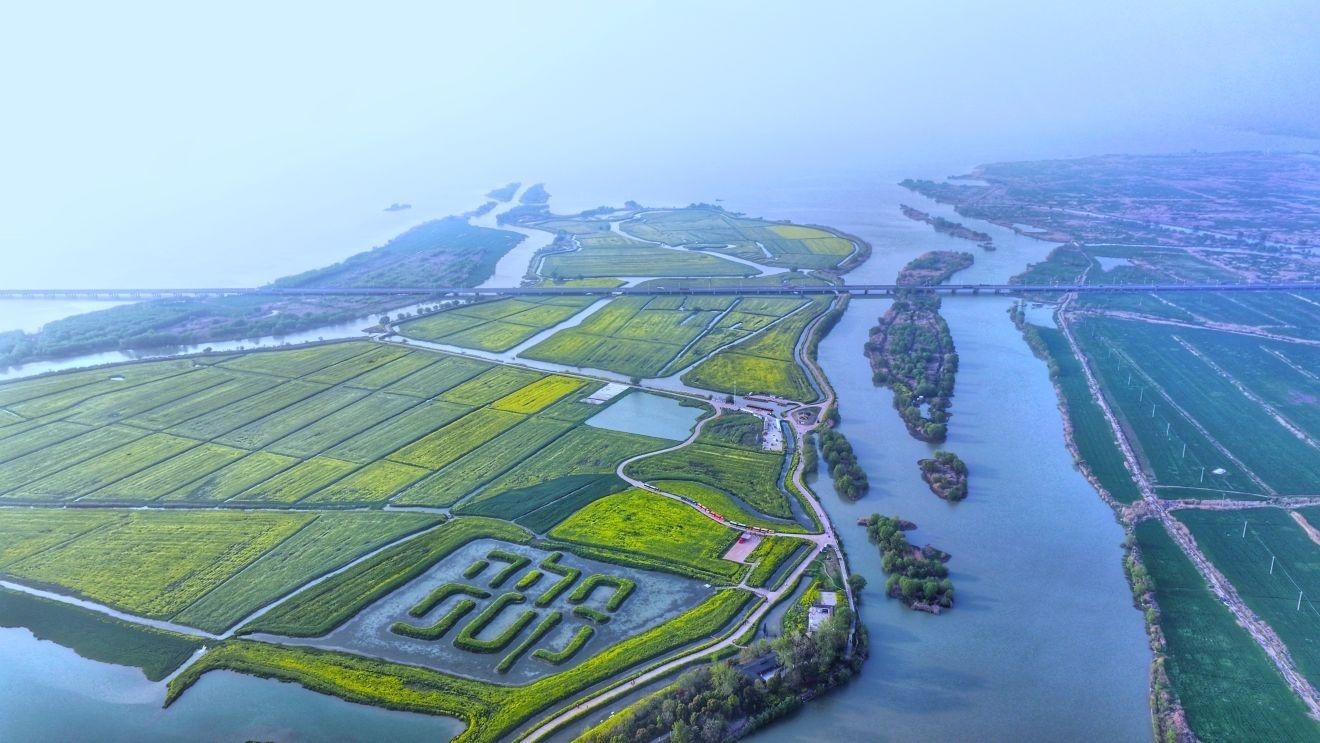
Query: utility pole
[1202, 468]
[1244, 528]
[1299, 601]
[1271, 564]
[1184, 454]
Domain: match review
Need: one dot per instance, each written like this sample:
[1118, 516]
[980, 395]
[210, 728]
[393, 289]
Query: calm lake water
[50, 693]
[648, 414]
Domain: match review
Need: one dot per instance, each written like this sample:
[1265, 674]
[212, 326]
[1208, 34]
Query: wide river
[1042, 644]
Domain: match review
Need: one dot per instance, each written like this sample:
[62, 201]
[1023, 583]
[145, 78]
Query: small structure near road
[822, 610]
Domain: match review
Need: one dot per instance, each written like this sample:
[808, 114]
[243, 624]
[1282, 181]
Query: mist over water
[152, 144]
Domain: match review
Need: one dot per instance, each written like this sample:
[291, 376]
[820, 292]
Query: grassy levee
[646, 530]
[550, 621]
[490, 710]
[1245, 561]
[330, 541]
[320, 608]
[1090, 429]
[566, 653]
[623, 588]
[770, 554]
[97, 636]
[1228, 688]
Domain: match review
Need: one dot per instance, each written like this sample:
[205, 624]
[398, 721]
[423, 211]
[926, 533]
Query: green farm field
[736, 469]
[750, 239]
[1228, 688]
[1159, 365]
[1246, 562]
[496, 325]
[635, 522]
[335, 425]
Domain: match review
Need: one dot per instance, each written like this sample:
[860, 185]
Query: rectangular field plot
[237, 389]
[296, 483]
[61, 456]
[298, 362]
[399, 431]
[444, 446]
[650, 337]
[154, 563]
[370, 485]
[765, 362]
[32, 398]
[106, 468]
[491, 385]
[506, 625]
[1246, 562]
[231, 479]
[169, 475]
[328, 542]
[266, 430]
[356, 366]
[342, 424]
[752, 239]
[496, 325]
[447, 372]
[484, 463]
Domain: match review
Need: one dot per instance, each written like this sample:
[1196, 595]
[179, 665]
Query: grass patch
[635, 522]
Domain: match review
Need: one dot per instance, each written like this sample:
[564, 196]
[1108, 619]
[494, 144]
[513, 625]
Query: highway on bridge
[856, 290]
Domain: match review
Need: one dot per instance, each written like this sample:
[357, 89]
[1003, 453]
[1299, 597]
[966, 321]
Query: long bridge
[856, 290]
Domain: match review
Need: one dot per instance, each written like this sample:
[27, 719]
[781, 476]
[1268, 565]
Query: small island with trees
[917, 576]
[911, 350]
[949, 227]
[946, 474]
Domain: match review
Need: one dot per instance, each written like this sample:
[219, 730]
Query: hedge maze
[490, 630]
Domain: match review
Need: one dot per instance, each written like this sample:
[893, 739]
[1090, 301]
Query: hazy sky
[163, 132]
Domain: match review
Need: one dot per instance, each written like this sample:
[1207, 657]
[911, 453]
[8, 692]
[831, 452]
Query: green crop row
[548, 623]
[433, 599]
[467, 637]
[440, 627]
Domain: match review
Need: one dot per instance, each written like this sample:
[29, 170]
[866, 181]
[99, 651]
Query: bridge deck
[856, 290]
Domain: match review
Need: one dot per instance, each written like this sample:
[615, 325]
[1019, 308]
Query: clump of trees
[722, 701]
[917, 577]
[946, 474]
[849, 478]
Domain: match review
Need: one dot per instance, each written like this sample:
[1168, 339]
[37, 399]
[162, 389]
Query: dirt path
[1260, 631]
[1306, 526]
